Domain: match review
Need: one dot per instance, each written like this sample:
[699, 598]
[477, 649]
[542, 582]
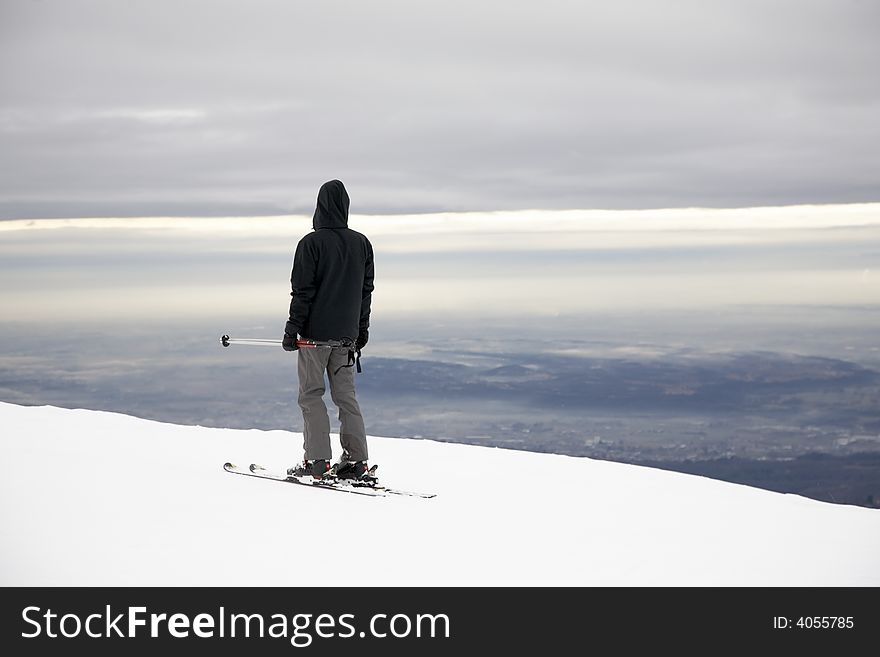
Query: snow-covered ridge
[96, 498]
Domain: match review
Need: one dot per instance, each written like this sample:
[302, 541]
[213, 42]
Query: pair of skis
[342, 485]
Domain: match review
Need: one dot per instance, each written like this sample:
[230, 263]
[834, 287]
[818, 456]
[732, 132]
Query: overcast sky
[150, 107]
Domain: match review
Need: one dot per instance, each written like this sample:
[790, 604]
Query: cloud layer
[450, 267]
[207, 108]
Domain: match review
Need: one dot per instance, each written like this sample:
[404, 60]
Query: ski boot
[316, 469]
[357, 473]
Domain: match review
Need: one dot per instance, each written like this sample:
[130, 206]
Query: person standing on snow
[331, 288]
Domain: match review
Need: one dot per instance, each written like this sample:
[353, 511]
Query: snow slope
[95, 498]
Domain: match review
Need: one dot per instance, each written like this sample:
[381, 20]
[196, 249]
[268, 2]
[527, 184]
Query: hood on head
[332, 208]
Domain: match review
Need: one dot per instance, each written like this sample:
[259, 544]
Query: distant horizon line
[695, 218]
[414, 213]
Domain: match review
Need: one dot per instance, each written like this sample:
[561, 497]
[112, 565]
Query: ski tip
[229, 466]
[255, 468]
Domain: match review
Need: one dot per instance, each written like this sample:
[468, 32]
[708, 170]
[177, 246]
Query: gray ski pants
[311, 366]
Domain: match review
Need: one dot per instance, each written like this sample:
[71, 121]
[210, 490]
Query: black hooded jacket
[332, 279]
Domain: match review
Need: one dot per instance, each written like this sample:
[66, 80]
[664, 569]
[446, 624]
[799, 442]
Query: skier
[331, 287]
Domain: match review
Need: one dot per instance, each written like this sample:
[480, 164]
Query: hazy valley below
[739, 344]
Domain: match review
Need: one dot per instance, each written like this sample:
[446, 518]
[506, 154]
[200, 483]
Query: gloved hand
[362, 339]
[288, 343]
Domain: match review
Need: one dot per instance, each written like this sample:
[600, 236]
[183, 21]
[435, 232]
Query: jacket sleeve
[302, 288]
[367, 294]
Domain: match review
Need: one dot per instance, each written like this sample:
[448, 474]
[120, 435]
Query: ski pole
[258, 342]
[225, 340]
